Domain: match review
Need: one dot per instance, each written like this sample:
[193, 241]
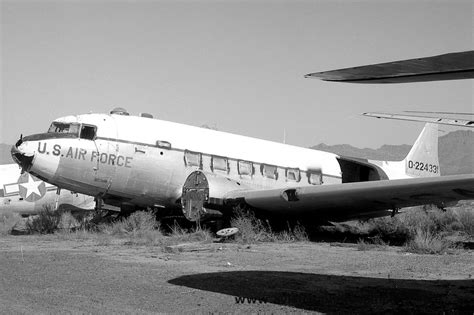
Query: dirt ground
[44, 274]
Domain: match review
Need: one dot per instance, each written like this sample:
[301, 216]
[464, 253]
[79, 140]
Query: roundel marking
[31, 188]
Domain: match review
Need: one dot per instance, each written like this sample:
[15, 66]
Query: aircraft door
[105, 158]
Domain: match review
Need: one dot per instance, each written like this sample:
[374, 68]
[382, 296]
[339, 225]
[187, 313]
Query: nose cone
[22, 155]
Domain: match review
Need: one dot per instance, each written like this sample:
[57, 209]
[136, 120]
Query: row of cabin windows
[246, 168]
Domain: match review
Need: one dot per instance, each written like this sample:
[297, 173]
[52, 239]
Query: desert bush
[251, 229]
[391, 229]
[137, 223]
[466, 220]
[195, 234]
[8, 221]
[428, 242]
[46, 222]
[67, 221]
[141, 228]
[292, 234]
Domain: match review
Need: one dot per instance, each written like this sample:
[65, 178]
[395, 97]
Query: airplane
[452, 66]
[26, 195]
[134, 162]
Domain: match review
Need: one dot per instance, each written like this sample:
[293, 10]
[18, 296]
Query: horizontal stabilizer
[453, 66]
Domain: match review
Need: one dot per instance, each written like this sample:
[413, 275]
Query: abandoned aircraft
[27, 195]
[128, 162]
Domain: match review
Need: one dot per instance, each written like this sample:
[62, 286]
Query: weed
[466, 220]
[196, 234]
[46, 222]
[136, 224]
[140, 228]
[427, 242]
[251, 229]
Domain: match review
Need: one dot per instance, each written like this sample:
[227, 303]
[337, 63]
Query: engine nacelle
[203, 194]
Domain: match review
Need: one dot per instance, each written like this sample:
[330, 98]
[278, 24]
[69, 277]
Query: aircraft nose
[21, 155]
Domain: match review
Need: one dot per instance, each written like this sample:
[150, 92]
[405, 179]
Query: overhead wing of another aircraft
[431, 119]
[452, 66]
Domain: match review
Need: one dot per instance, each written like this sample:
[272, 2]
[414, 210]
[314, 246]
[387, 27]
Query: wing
[453, 66]
[429, 119]
[357, 200]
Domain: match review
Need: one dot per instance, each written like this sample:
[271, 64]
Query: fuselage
[124, 159]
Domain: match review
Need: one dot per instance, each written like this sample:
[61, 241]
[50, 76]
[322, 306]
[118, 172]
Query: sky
[237, 66]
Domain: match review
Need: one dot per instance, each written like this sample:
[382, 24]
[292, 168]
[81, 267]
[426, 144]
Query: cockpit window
[57, 127]
[88, 132]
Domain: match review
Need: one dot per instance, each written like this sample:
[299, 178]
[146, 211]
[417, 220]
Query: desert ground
[50, 274]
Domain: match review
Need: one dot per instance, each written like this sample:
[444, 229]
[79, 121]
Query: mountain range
[456, 152]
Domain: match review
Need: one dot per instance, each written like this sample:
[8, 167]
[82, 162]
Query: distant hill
[456, 152]
[5, 156]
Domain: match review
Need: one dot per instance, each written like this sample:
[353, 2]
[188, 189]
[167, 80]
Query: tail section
[421, 161]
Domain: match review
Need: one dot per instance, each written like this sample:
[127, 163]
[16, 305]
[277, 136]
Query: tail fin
[421, 161]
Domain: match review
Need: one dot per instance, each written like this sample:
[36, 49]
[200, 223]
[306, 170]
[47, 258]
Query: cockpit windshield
[73, 130]
[57, 127]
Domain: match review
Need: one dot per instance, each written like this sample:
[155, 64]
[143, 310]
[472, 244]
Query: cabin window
[269, 171]
[88, 132]
[57, 127]
[245, 168]
[220, 164]
[293, 175]
[163, 144]
[192, 158]
[315, 178]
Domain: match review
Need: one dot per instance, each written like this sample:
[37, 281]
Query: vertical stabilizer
[422, 160]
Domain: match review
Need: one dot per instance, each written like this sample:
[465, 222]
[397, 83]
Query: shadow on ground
[331, 293]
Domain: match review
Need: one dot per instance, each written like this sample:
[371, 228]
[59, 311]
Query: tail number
[422, 166]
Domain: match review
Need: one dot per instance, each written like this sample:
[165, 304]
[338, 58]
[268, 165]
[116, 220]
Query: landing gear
[394, 212]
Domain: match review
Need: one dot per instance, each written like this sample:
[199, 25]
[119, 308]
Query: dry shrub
[427, 242]
[391, 229]
[295, 234]
[196, 234]
[46, 222]
[8, 221]
[135, 224]
[141, 228]
[68, 221]
[466, 220]
[251, 229]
